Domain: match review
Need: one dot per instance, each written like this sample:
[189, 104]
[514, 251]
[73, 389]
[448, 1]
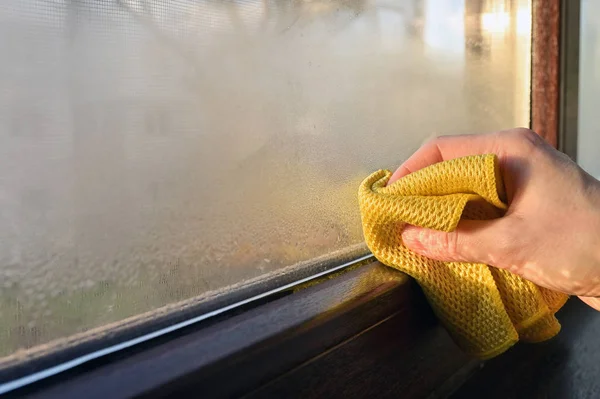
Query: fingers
[474, 241]
[445, 148]
[514, 141]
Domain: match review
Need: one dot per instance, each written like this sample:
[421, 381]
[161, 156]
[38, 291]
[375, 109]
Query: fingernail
[411, 236]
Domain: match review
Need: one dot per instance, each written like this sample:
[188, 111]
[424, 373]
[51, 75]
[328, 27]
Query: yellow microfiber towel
[485, 309]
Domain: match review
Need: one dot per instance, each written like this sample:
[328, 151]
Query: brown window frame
[555, 72]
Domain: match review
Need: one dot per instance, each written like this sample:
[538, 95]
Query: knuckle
[450, 245]
[526, 139]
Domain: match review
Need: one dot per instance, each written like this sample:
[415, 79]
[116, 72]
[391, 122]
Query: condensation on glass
[588, 138]
[153, 151]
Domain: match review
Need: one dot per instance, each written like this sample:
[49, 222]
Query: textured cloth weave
[485, 309]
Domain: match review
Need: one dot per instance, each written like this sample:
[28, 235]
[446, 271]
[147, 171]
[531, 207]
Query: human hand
[550, 234]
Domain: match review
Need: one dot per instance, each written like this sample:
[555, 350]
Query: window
[589, 89]
[153, 152]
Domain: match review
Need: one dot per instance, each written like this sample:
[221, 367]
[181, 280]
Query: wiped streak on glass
[151, 151]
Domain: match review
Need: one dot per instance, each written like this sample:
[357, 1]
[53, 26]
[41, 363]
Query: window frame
[320, 323]
[555, 72]
[138, 329]
[283, 335]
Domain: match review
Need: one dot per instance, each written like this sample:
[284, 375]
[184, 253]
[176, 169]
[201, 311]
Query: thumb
[474, 241]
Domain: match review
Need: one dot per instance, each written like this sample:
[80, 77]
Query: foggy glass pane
[155, 151]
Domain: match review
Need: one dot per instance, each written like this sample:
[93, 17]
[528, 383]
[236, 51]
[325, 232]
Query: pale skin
[550, 234]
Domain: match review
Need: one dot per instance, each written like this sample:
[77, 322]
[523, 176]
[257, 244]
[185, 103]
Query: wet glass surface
[154, 151]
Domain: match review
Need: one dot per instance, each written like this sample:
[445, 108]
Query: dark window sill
[368, 331]
[565, 367]
[365, 333]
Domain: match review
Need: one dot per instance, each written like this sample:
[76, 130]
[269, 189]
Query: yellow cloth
[485, 309]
